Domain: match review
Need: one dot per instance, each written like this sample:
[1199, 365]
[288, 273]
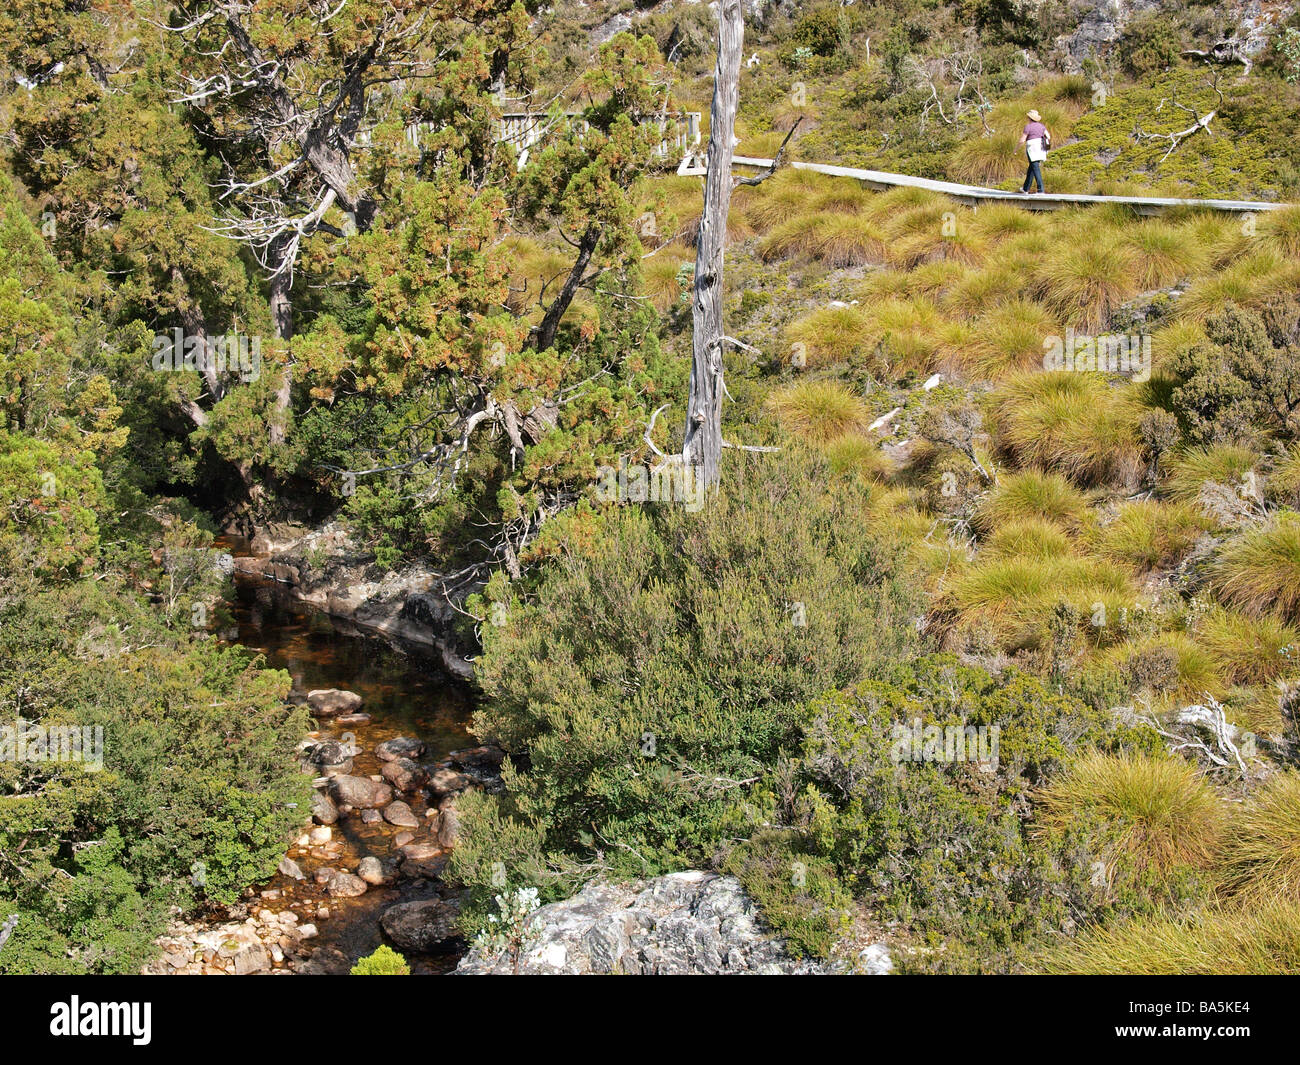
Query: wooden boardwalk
[973, 195]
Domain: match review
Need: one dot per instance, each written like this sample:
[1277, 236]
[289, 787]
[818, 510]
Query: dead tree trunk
[702, 447]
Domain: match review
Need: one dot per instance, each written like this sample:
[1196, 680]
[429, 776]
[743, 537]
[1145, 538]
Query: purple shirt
[1035, 129]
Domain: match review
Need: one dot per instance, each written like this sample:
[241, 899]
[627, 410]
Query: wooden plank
[972, 194]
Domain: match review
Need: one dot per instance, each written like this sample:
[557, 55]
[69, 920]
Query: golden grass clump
[1262, 940]
[818, 411]
[1083, 278]
[857, 455]
[1146, 535]
[1258, 571]
[1164, 253]
[1074, 423]
[1171, 667]
[1031, 495]
[1261, 861]
[1280, 231]
[1250, 651]
[660, 275]
[1011, 599]
[1157, 813]
[1225, 465]
[1027, 538]
[1009, 339]
[831, 238]
[832, 334]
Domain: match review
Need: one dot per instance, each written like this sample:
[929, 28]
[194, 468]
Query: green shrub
[942, 845]
[641, 683]
[385, 961]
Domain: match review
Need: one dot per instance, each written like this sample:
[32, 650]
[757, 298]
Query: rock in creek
[323, 810]
[362, 792]
[404, 774]
[399, 747]
[340, 884]
[331, 702]
[399, 814]
[692, 922]
[420, 926]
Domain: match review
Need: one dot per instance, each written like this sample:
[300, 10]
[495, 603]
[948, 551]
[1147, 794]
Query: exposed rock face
[330, 570]
[420, 926]
[693, 922]
[1251, 24]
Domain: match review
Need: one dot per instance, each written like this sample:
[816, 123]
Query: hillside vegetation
[1028, 481]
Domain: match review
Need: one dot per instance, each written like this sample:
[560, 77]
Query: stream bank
[391, 752]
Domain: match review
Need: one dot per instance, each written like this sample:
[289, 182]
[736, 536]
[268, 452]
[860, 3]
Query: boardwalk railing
[973, 195]
[523, 129]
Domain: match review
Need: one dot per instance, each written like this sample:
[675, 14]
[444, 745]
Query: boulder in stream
[331, 702]
[362, 792]
[404, 774]
[420, 926]
[400, 814]
[399, 747]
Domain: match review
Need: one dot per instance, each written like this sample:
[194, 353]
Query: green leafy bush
[385, 961]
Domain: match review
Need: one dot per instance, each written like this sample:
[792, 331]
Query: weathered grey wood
[702, 447]
[1038, 202]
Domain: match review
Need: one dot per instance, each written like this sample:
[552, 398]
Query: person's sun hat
[1034, 115]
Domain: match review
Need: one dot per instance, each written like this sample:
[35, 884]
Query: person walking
[1037, 139]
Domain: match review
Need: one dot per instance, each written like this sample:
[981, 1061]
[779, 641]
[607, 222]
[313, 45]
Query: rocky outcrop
[327, 569]
[1250, 26]
[692, 922]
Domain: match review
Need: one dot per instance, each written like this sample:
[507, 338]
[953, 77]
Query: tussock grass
[1279, 231]
[1072, 422]
[1250, 651]
[1031, 496]
[786, 196]
[1284, 479]
[1146, 535]
[998, 221]
[1221, 464]
[1083, 281]
[1174, 339]
[1012, 599]
[833, 334]
[818, 411]
[1164, 254]
[858, 455]
[1172, 667]
[532, 265]
[1248, 282]
[981, 290]
[1027, 538]
[1261, 941]
[1009, 339]
[1261, 862]
[660, 274]
[833, 239]
[1259, 570]
[964, 246]
[1158, 813]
